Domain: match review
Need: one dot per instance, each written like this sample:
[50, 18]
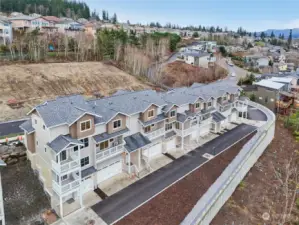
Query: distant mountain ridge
[285, 32]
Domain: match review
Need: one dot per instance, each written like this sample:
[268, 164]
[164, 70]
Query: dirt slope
[35, 83]
[266, 189]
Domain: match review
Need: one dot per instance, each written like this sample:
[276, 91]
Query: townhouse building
[74, 144]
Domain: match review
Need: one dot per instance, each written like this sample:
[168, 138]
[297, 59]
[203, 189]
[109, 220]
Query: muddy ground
[24, 197]
[266, 189]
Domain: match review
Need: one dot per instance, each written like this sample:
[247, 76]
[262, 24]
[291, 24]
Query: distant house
[69, 25]
[22, 22]
[201, 59]
[274, 93]
[6, 35]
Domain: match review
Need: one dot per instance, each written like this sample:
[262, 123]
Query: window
[197, 105]
[44, 127]
[150, 113]
[224, 98]
[85, 125]
[76, 148]
[36, 142]
[147, 129]
[85, 142]
[116, 124]
[266, 99]
[177, 125]
[168, 126]
[35, 121]
[209, 104]
[45, 149]
[104, 145]
[64, 177]
[63, 155]
[172, 113]
[84, 161]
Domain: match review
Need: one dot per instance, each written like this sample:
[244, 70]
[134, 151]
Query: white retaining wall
[211, 202]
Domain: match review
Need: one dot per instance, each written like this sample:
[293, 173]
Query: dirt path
[264, 188]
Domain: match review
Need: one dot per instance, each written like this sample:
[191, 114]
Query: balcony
[155, 134]
[66, 186]
[187, 131]
[71, 163]
[107, 153]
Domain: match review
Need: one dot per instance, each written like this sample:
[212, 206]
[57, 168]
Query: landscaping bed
[267, 195]
[24, 197]
[173, 205]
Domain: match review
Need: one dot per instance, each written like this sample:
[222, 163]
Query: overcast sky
[253, 15]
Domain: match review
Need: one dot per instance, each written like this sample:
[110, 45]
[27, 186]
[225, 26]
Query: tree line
[72, 9]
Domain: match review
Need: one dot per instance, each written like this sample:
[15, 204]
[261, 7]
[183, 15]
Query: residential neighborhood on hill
[148, 112]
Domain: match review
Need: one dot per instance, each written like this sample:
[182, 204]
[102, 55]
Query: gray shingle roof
[68, 109]
[170, 134]
[159, 118]
[88, 171]
[218, 117]
[136, 141]
[105, 136]
[62, 141]
[27, 126]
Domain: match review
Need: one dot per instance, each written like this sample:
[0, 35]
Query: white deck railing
[65, 166]
[187, 131]
[219, 192]
[154, 134]
[60, 190]
[104, 154]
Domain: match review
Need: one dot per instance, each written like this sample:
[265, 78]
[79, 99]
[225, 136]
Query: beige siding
[144, 116]
[171, 119]
[110, 124]
[30, 138]
[75, 129]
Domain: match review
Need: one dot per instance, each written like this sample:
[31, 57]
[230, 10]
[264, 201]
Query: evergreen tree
[254, 35]
[114, 19]
[290, 38]
[272, 35]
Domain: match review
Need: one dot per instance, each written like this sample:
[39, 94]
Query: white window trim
[116, 127]
[85, 122]
[88, 161]
[209, 103]
[171, 112]
[152, 110]
[66, 153]
[198, 105]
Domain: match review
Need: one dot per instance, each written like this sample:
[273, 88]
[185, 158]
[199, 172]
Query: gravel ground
[172, 206]
[265, 189]
[24, 198]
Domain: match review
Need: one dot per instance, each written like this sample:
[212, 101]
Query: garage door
[204, 130]
[87, 185]
[109, 171]
[154, 150]
[233, 117]
[170, 145]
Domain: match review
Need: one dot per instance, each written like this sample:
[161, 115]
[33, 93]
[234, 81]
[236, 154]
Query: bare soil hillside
[267, 195]
[33, 83]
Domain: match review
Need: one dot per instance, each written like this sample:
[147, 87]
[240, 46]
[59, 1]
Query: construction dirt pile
[178, 74]
[25, 85]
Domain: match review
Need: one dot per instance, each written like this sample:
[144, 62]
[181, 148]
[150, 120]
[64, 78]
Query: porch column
[80, 178]
[129, 163]
[182, 147]
[61, 206]
[139, 158]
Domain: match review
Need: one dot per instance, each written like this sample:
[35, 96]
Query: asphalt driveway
[11, 127]
[123, 202]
